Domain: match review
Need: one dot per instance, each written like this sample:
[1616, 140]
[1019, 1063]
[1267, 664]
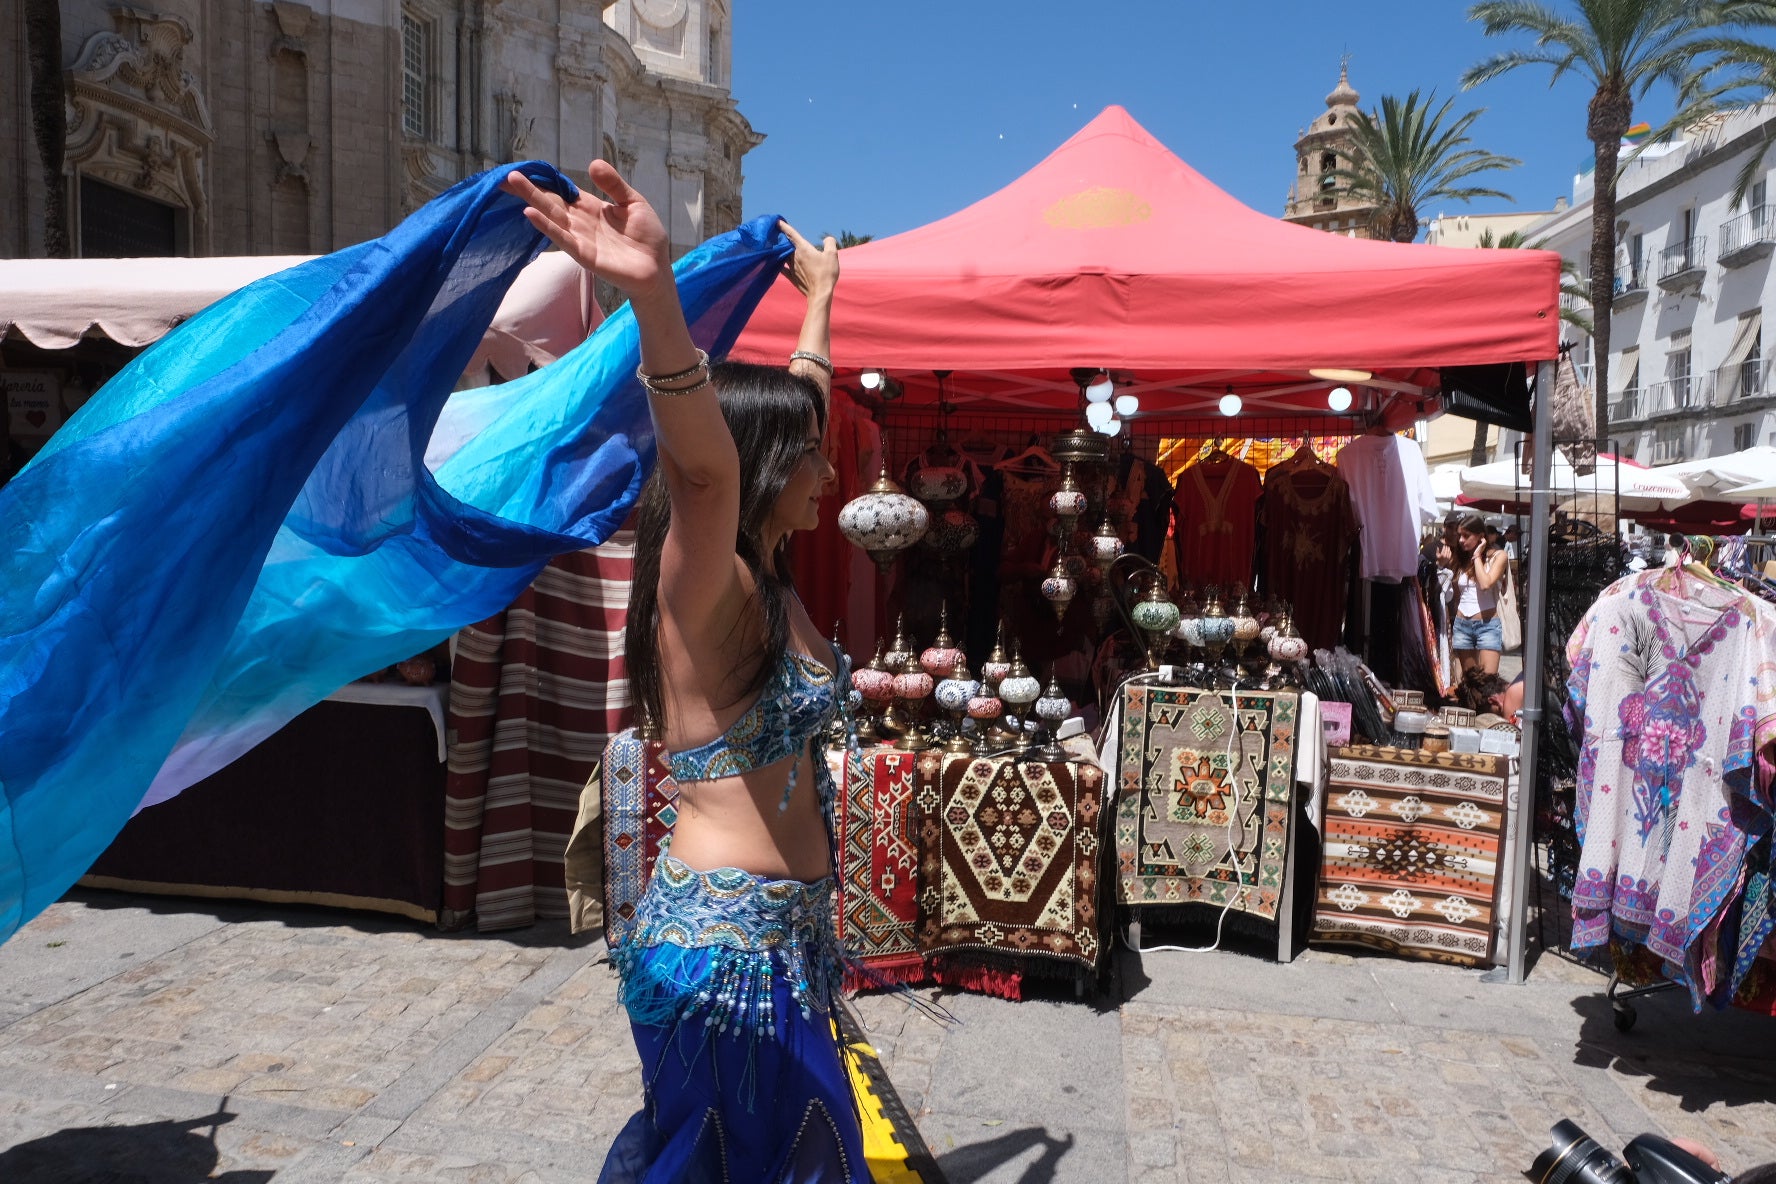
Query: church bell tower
[1318, 199]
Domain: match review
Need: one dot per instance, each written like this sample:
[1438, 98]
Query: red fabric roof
[1114, 252]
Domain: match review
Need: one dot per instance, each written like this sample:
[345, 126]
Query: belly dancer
[733, 968]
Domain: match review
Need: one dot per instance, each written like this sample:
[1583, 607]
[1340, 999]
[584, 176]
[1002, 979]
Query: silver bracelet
[672, 392]
[808, 355]
[653, 380]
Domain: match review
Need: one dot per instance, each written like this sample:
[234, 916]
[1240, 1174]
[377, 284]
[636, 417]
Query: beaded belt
[710, 943]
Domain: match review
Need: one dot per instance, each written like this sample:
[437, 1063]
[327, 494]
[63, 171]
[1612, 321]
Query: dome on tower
[1344, 94]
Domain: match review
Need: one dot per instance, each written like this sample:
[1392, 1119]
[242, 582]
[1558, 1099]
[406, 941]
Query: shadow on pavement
[147, 1153]
[967, 1164]
[1702, 1060]
[547, 933]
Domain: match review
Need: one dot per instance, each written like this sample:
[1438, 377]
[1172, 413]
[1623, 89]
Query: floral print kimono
[1673, 690]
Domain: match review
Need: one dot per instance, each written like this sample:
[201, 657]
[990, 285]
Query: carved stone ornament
[137, 117]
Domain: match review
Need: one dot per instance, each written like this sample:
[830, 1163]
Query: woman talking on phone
[1477, 634]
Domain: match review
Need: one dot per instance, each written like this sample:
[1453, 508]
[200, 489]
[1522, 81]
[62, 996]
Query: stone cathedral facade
[250, 127]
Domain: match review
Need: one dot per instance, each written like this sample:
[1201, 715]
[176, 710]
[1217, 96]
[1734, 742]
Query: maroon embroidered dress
[1308, 532]
[1216, 511]
[1673, 691]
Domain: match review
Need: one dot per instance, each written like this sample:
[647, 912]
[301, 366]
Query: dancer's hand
[813, 270]
[621, 240]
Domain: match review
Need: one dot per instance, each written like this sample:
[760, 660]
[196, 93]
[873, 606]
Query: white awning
[53, 303]
[1627, 373]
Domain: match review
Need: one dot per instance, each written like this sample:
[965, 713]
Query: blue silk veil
[283, 494]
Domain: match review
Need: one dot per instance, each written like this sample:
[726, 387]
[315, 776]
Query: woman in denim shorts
[1477, 634]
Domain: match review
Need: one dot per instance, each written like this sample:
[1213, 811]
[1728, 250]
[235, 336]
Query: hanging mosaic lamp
[1059, 588]
[943, 655]
[1106, 543]
[1067, 503]
[951, 532]
[883, 520]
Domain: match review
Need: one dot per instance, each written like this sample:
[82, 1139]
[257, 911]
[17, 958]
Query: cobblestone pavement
[172, 1041]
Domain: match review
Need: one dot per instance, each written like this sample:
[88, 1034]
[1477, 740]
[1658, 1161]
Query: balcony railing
[1681, 265]
[1672, 395]
[1631, 283]
[1751, 235]
[1626, 407]
[1744, 381]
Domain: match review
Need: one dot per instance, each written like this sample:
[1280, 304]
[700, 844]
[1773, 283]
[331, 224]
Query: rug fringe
[989, 980]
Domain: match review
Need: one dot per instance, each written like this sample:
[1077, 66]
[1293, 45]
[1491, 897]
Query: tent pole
[1535, 641]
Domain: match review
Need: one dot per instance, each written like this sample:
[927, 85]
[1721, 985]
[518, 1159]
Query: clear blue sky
[884, 116]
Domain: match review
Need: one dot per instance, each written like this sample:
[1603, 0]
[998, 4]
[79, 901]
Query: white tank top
[1474, 599]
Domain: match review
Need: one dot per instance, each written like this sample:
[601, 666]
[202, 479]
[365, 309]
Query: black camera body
[1576, 1158]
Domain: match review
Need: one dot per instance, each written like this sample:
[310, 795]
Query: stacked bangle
[662, 384]
[808, 355]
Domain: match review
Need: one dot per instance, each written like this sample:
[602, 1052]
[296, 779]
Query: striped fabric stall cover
[535, 694]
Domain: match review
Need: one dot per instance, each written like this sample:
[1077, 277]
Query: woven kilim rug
[1008, 856]
[1203, 805]
[1413, 843]
[640, 806]
[878, 896]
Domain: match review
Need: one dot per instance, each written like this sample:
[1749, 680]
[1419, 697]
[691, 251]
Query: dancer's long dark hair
[766, 409]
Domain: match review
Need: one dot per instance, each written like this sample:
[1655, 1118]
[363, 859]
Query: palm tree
[847, 239]
[43, 37]
[1572, 292]
[1410, 157]
[1747, 66]
[1623, 47]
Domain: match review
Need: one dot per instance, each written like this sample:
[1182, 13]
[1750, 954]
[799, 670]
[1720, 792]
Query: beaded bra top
[798, 703]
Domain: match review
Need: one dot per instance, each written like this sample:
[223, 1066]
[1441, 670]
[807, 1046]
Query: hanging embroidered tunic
[1673, 689]
[1216, 507]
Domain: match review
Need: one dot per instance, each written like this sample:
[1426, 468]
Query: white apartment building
[1688, 365]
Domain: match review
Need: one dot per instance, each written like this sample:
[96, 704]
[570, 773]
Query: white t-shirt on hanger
[1390, 489]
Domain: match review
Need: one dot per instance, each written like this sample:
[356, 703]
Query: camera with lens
[1576, 1158]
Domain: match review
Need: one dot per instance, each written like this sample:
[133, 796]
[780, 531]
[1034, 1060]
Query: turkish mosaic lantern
[1053, 708]
[997, 665]
[875, 683]
[938, 486]
[1059, 588]
[1105, 544]
[1288, 645]
[1156, 616]
[883, 520]
[902, 649]
[953, 695]
[943, 655]
[1019, 689]
[951, 531]
[1068, 502]
[912, 686]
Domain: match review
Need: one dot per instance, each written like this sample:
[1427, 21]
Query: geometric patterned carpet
[1204, 803]
[1413, 843]
[1010, 855]
[878, 906]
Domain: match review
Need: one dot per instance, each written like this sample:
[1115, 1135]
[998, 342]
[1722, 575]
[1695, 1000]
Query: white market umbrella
[1446, 483]
[1628, 485]
[1723, 478]
[1753, 492]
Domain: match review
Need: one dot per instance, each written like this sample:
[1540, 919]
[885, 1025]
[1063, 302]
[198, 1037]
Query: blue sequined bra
[797, 705]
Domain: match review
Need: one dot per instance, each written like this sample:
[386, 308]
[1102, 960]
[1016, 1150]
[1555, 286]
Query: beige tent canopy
[54, 303]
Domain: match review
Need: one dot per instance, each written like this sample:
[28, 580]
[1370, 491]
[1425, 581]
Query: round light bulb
[1127, 405]
[871, 379]
[1101, 390]
[1339, 398]
[1110, 426]
[1231, 404]
[1098, 414]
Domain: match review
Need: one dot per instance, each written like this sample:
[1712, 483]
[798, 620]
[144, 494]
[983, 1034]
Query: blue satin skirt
[730, 980]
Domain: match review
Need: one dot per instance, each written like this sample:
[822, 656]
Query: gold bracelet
[651, 379]
[808, 355]
[672, 392]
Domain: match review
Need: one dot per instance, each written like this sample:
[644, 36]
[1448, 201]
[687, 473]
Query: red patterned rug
[878, 906]
[1009, 854]
[1413, 843]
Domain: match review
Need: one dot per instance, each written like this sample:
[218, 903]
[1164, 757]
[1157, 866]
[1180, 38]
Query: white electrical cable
[1164, 676]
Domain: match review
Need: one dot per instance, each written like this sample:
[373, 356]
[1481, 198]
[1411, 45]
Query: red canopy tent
[1115, 253]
